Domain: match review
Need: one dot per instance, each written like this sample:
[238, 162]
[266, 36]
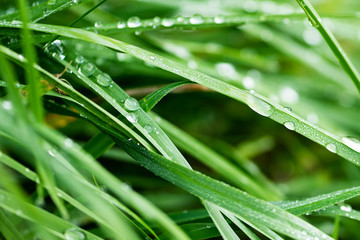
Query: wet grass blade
[334, 45]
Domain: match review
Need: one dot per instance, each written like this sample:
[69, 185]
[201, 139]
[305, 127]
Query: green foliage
[163, 123]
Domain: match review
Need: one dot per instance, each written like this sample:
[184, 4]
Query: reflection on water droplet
[196, 19]
[103, 79]
[98, 24]
[331, 147]
[87, 69]
[219, 19]
[148, 128]
[352, 143]
[121, 24]
[68, 143]
[131, 117]
[7, 105]
[289, 95]
[312, 36]
[131, 104]
[259, 106]
[74, 234]
[290, 125]
[167, 22]
[134, 22]
[346, 208]
[52, 152]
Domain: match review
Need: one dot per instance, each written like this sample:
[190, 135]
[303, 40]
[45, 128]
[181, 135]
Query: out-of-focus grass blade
[34, 177]
[335, 47]
[8, 229]
[56, 225]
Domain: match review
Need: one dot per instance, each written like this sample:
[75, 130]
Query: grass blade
[335, 47]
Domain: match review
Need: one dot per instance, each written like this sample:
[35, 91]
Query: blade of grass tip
[334, 45]
[8, 229]
[77, 20]
[31, 73]
[100, 143]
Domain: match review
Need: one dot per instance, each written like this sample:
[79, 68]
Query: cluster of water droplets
[196, 19]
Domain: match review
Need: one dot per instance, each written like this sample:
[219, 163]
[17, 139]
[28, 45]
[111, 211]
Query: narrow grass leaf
[335, 47]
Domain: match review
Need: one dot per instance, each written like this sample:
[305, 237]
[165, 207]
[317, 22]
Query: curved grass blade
[256, 102]
[148, 102]
[319, 202]
[335, 47]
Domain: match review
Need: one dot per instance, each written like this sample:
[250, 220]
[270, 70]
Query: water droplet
[56, 49]
[167, 22]
[51, 2]
[27, 170]
[121, 24]
[131, 104]
[196, 19]
[192, 64]
[51, 153]
[248, 82]
[148, 128]
[289, 95]
[286, 21]
[7, 105]
[352, 143]
[226, 70]
[98, 24]
[87, 69]
[131, 117]
[179, 19]
[313, 22]
[134, 22]
[331, 147]
[79, 59]
[103, 79]
[290, 126]
[68, 143]
[312, 117]
[74, 234]
[259, 106]
[219, 19]
[312, 36]
[346, 208]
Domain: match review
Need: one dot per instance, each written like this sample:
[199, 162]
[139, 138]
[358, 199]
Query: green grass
[179, 120]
